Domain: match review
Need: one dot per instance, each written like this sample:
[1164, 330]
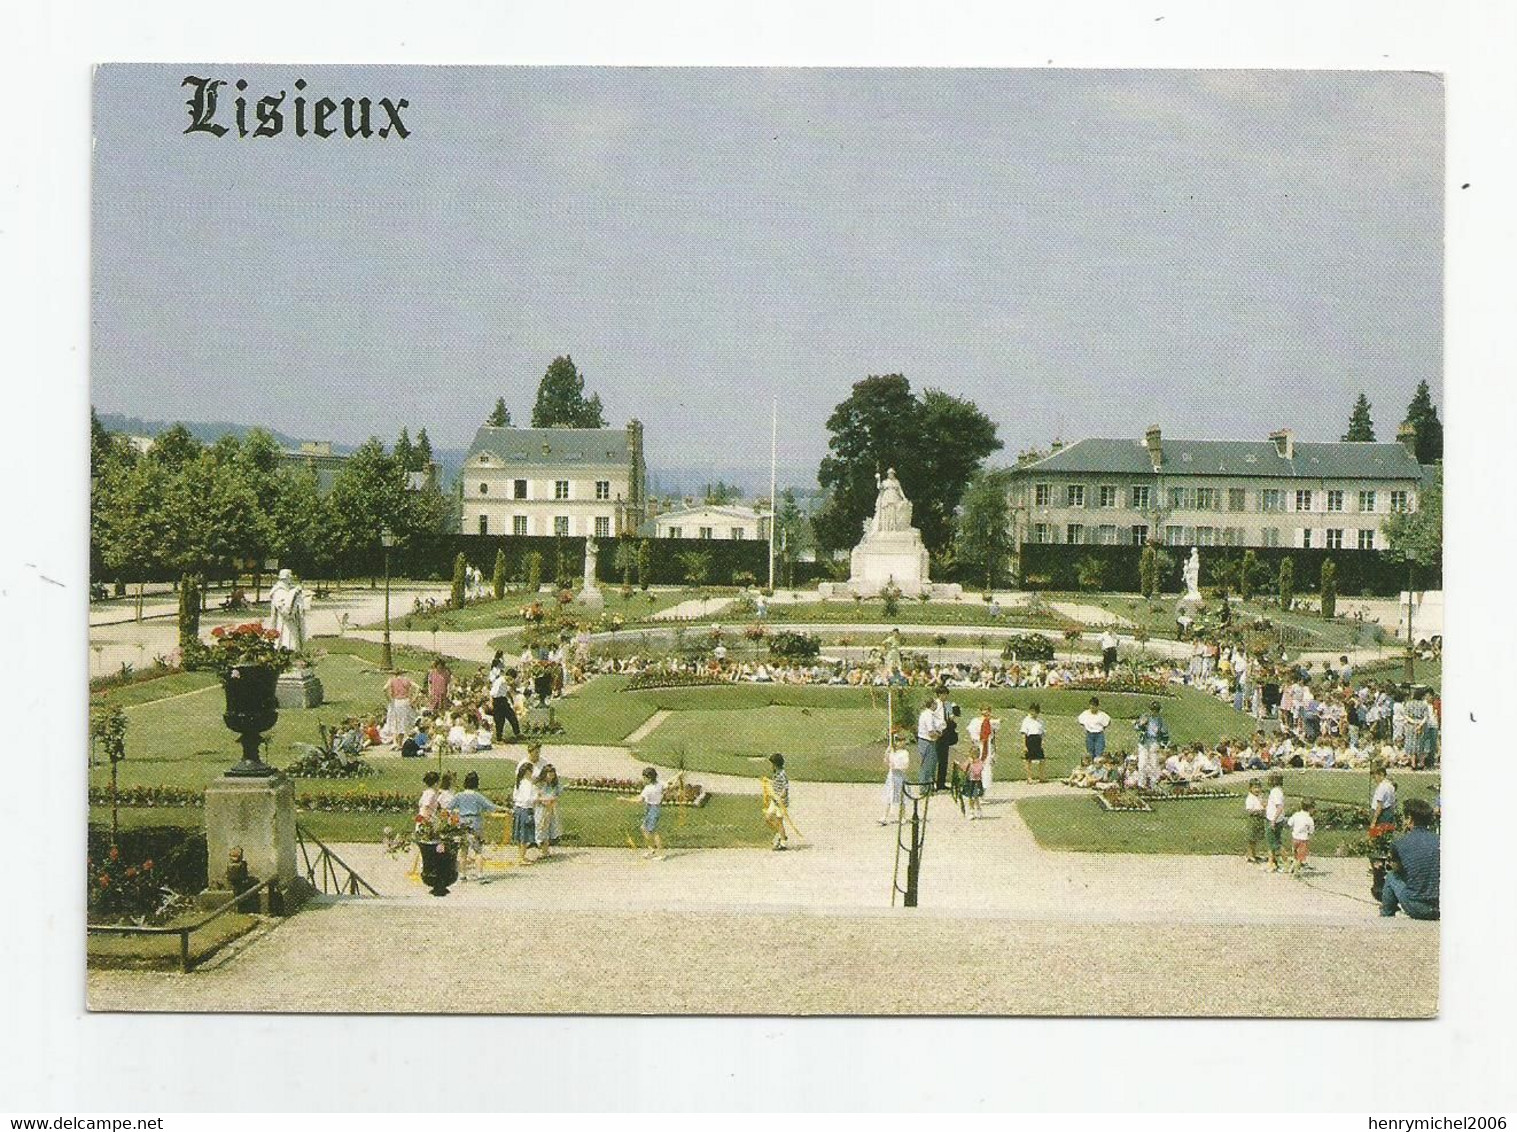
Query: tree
[644, 563]
[625, 559]
[423, 451]
[1248, 574]
[299, 526]
[697, 567]
[983, 539]
[498, 577]
[174, 447]
[404, 451]
[721, 492]
[1091, 573]
[534, 568]
[1327, 589]
[936, 444]
[1422, 415]
[1287, 583]
[500, 416]
[561, 401]
[368, 495]
[1416, 538]
[1360, 426]
[460, 580]
[133, 526]
[1148, 571]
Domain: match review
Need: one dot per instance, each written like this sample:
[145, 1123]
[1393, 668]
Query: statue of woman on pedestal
[892, 510]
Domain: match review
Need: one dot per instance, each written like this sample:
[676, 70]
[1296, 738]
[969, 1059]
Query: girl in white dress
[896, 760]
[982, 734]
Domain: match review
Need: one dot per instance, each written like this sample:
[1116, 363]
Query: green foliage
[500, 416]
[1422, 415]
[1248, 574]
[1028, 647]
[190, 586]
[368, 495]
[936, 443]
[891, 596]
[1092, 573]
[696, 565]
[1327, 588]
[720, 492]
[1148, 572]
[644, 559]
[460, 581]
[788, 645]
[1360, 426]
[561, 401]
[1416, 537]
[1286, 584]
[624, 559]
[498, 576]
[983, 539]
[534, 566]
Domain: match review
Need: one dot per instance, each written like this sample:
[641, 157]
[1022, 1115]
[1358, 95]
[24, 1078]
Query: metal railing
[910, 837]
[322, 873]
[184, 931]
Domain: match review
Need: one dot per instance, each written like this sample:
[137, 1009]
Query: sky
[1081, 253]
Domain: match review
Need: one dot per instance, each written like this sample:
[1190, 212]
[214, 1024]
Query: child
[652, 798]
[1274, 818]
[974, 785]
[1302, 828]
[896, 760]
[779, 801]
[545, 816]
[426, 807]
[523, 808]
[1253, 816]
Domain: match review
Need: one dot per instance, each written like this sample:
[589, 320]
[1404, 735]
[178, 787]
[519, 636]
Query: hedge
[1055, 566]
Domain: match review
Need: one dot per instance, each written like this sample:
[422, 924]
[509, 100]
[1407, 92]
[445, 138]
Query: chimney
[1153, 440]
[1407, 435]
[1056, 446]
[1285, 443]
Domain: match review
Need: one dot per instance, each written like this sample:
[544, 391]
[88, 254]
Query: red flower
[105, 880]
[130, 872]
[219, 631]
[115, 853]
[147, 866]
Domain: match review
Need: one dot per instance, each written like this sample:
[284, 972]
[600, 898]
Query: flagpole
[774, 433]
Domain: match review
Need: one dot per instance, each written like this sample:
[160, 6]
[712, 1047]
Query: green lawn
[490, 613]
[970, 611]
[1203, 826]
[837, 734]
[590, 819]
[1158, 617]
[162, 951]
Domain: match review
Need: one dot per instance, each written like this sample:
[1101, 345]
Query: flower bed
[1123, 802]
[1139, 685]
[645, 680]
[315, 762]
[1180, 794]
[147, 876]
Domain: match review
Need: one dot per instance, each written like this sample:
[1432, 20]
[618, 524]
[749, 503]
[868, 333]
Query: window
[1366, 540]
[1139, 533]
[1178, 499]
[484, 525]
[1040, 532]
[560, 524]
[520, 489]
[560, 489]
[1108, 495]
[1366, 501]
[1306, 538]
[1237, 499]
[1335, 501]
[1206, 536]
[1335, 538]
[739, 534]
[518, 524]
[675, 532]
[1206, 499]
[1074, 533]
[1042, 494]
[1106, 535]
[1272, 499]
[1174, 536]
[602, 489]
[1232, 536]
[1303, 501]
[1074, 495]
[705, 532]
[602, 526]
[1139, 499]
[1399, 502]
[484, 489]
[1269, 536]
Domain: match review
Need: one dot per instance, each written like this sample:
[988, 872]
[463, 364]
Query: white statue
[288, 605]
[892, 510]
[592, 553]
[1193, 576]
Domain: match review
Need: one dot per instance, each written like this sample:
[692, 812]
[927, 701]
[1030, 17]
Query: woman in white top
[1032, 738]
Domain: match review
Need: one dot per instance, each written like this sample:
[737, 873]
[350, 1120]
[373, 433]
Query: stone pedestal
[591, 598]
[256, 815]
[539, 718]
[298, 688]
[886, 558]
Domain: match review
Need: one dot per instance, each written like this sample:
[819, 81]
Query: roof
[1337, 460]
[679, 515]
[552, 445]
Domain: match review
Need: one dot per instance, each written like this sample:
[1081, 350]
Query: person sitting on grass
[1206, 766]
[1083, 775]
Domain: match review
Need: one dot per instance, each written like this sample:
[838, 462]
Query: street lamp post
[387, 540]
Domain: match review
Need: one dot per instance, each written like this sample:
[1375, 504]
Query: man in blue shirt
[1412, 885]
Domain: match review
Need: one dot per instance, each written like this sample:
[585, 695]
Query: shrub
[460, 580]
[1248, 572]
[1327, 588]
[1091, 573]
[534, 566]
[787, 645]
[1287, 583]
[1028, 646]
[1148, 572]
[498, 578]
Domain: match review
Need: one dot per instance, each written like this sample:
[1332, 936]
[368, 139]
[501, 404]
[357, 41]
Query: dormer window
[484, 489]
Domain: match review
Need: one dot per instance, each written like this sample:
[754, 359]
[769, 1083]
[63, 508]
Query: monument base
[299, 688]
[539, 718]
[591, 599]
[257, 816]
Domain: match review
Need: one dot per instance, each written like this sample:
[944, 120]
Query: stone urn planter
[439, 866]
[252, 708]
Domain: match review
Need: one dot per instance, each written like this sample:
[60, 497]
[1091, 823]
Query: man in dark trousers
[1412, 883]
[949, 737]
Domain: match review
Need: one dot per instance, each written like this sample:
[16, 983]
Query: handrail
[184, 930]
[324, 860]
